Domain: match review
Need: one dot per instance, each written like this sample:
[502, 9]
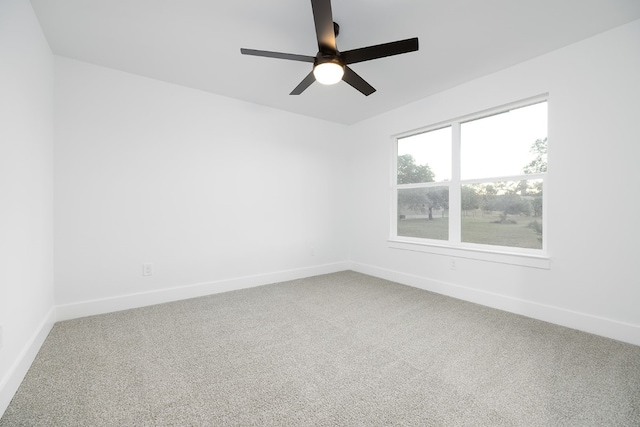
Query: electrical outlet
[0, 336]
[452, 264]
[147, 269]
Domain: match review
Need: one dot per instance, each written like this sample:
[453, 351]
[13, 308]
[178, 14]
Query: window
[424, 173]
[475, 183]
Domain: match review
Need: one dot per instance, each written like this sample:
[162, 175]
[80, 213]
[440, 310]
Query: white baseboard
[125, 302]
[12, 380]
[571, 319]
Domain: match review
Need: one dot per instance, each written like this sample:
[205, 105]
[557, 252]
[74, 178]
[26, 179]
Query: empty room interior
[197, 229]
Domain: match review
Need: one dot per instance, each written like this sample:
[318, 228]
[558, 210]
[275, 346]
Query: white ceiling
[196, 43]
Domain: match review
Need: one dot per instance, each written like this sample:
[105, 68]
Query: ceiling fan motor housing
[323, 58]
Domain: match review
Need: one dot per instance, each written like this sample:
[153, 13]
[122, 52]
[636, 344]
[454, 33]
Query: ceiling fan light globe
[328, 73]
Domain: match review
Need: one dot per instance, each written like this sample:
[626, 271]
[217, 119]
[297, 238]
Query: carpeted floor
[342, 349]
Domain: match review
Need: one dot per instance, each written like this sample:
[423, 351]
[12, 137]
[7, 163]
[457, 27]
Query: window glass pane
[424, 212]
[425, 157]
[503, 213]
[503, 144]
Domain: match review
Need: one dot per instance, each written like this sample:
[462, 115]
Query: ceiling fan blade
[357, 82]
[304, 84]
[380, 51]
[323, 18]
[278, 55]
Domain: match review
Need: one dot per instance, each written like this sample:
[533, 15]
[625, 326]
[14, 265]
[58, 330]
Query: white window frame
[454, 247]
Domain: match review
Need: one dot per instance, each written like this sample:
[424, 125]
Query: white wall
[216, 193]
[594, 228]
[26, 192]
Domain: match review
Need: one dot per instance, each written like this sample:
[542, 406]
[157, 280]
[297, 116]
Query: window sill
[502, 257]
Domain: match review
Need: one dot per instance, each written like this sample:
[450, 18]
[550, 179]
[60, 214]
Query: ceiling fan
[330, 65]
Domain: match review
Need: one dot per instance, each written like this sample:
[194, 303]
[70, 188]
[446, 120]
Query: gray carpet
[342, 349]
